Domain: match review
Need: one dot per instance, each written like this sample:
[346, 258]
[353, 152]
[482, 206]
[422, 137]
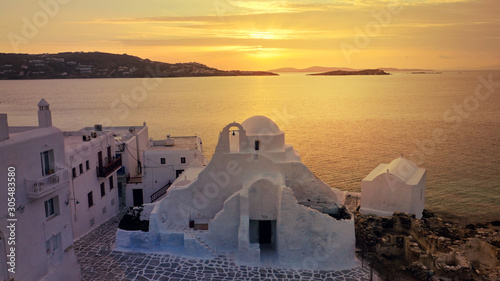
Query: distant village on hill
[102, 65]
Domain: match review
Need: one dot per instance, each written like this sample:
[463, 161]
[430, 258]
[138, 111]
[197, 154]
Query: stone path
[99, 262]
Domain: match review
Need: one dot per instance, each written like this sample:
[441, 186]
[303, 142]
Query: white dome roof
[403, 168]
[260, 125]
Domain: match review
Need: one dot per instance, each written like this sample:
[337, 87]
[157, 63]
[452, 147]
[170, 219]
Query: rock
[418, 270]
[427, 214]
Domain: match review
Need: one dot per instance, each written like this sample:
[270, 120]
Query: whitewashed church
[395, 187]
[256, 200]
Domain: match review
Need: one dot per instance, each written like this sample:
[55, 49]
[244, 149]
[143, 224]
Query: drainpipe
[139, 167]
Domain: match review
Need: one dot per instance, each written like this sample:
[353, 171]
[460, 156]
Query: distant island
[426, 72]
[325, 69]
[361, 72]
[103, 65]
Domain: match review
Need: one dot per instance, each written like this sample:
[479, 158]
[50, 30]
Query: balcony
[36, 188]
[112, 166]
[133, 179]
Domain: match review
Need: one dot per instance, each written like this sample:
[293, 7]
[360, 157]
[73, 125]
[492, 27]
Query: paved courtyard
[99, 262]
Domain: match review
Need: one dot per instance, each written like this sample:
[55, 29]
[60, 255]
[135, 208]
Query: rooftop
[404, 169]
[24, 134]
[74, 140]
[180, 143]
[122, 133]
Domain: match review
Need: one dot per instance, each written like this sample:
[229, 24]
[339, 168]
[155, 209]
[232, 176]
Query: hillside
[361, 72]
[102, 65]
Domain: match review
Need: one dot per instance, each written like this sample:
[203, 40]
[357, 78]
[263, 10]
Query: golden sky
[264, 34]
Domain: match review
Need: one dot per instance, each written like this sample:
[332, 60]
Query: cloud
[459, 29]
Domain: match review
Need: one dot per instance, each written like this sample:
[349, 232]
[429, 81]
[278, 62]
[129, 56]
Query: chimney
[169, 141]
[44, 115]
[4, 127]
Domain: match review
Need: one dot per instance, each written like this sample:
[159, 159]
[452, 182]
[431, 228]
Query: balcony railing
[160, 192]
[112, 166]
[37, 188]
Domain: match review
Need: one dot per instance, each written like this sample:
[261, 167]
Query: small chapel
[395, 187]
[257, 201]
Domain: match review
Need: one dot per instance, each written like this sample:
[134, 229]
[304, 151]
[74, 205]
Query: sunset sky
[264, 34]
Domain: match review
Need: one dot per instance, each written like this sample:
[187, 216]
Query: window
[48, 163]
[183, 160]
[52, 207]
[81, 169]
[162, 160]
[257, 145]
[111, 183]
[103, 189]
[90, 199]
[121, 171]
[74, 172]
[52, 244]
[87, 165]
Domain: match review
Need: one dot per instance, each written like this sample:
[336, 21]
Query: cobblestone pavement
[99, 262]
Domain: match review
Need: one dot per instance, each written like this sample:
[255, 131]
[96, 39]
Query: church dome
[260, 125]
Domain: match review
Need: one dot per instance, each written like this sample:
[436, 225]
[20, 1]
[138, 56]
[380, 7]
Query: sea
[342, 126]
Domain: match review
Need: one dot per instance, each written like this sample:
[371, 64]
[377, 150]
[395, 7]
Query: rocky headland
[360, 72]
[103, 65]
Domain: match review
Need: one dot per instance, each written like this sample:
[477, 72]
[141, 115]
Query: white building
[395, 187]
[42, 234]
[90, 158]
[254, 199]
[164, 161]
[130, 144]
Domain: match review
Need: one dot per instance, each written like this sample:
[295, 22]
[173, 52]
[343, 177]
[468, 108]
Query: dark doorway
[265, 232]
[137, 194]
[121, 195]
[257, 145]
[99, 158]
[178, 173]
[109, 154]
